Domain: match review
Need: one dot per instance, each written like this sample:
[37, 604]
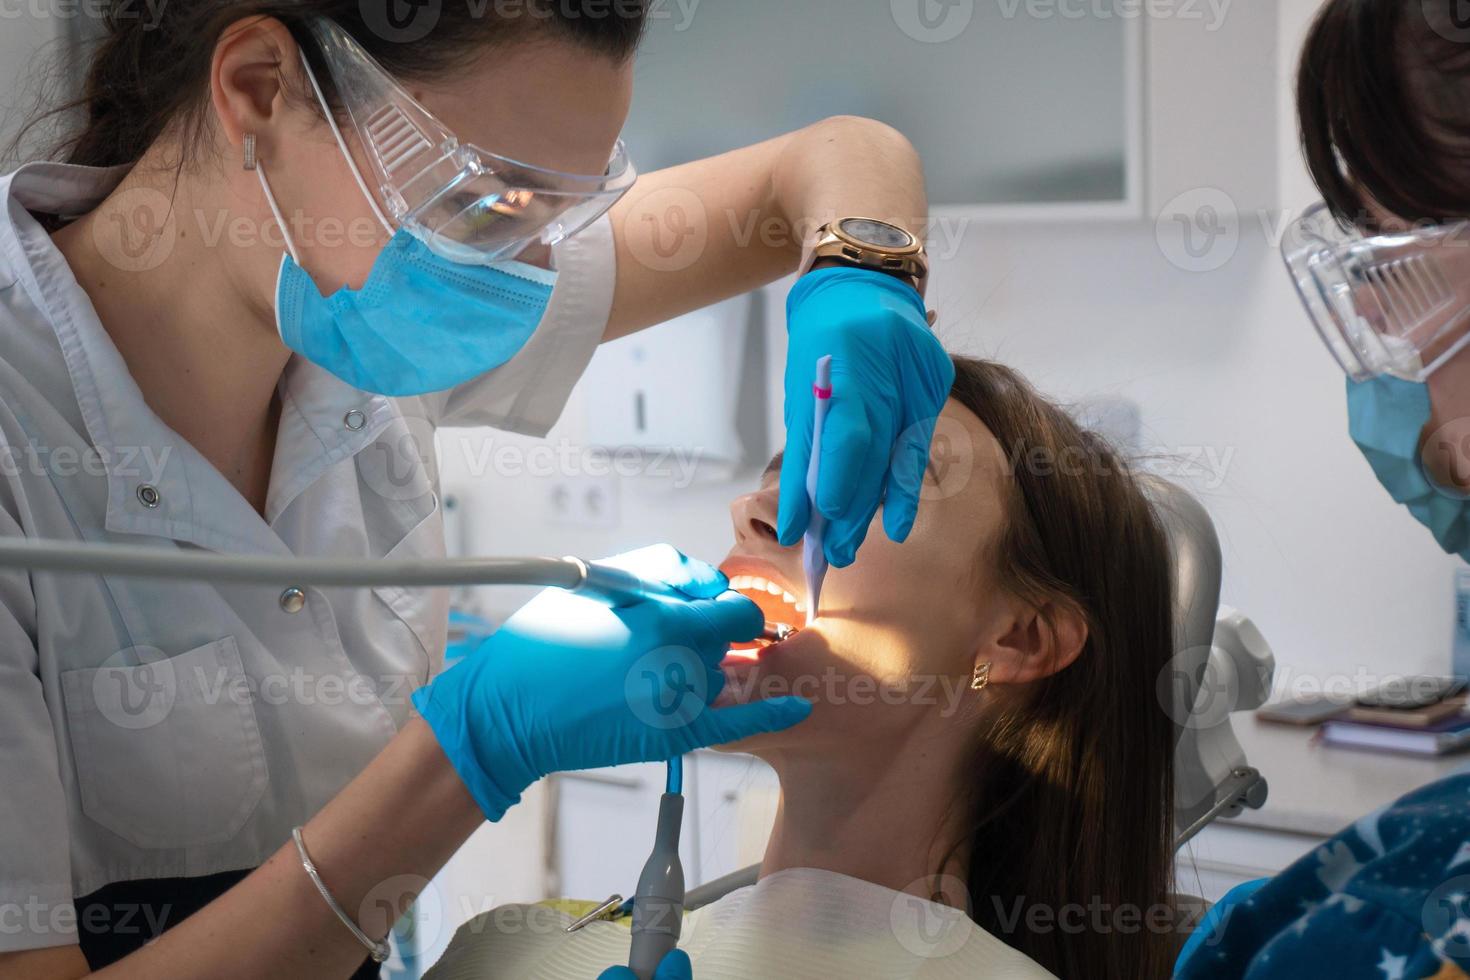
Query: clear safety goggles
[466, 203]
[1395, 304]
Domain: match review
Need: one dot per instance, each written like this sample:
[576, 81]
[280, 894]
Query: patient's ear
[1033, 642]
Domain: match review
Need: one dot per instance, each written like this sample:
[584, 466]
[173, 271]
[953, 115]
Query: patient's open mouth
[779, 607]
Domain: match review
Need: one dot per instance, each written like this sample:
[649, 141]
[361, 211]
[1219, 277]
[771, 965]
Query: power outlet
[583, 501]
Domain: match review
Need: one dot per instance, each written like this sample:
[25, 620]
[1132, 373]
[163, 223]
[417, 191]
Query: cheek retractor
[814, 556]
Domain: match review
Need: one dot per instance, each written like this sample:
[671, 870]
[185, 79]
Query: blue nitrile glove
[568, 683]
[890, 380]
[675, 966]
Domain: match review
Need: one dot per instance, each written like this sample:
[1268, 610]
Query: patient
[986, 736]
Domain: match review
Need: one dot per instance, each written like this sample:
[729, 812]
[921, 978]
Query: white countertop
[1317, 789]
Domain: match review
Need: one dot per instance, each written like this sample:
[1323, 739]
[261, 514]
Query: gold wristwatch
[867, 243]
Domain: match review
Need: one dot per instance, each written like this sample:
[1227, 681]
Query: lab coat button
[354, 420]
[293, 600]
[149, 496]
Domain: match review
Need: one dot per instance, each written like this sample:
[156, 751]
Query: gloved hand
[675, 966]
[568, 683]
[890, 379]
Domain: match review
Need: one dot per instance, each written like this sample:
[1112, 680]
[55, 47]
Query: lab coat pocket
[424, 611]
[168, 752]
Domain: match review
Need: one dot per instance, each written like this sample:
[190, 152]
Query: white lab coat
[158, 729]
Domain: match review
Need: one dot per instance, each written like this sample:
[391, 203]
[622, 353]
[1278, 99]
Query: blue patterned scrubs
[1386, 899]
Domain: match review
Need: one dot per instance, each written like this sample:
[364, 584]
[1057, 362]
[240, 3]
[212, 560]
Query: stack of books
[1437, 729]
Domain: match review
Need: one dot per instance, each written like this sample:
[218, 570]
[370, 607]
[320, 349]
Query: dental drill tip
[777, 633]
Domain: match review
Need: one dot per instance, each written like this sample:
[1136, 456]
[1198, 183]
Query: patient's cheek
[817, 665]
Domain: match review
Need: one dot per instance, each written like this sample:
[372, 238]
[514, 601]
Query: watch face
[879, 234]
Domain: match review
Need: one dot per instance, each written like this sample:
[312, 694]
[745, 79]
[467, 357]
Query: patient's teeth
[788, 597]
[801, 607]
[773, 588]
[740, 582]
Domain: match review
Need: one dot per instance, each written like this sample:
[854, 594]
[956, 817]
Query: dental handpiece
[813, 555]
[617, 587]
[595, 580]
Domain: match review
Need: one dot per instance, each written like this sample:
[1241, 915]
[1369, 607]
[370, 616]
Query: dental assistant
[1382, 92]
[290, 240]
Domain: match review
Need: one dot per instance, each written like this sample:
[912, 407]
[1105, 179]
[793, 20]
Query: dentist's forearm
[691, 236]
[848, 166]
[375, 845]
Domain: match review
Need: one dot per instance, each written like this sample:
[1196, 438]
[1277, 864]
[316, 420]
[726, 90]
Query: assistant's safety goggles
[1387, 304]
[466, 203]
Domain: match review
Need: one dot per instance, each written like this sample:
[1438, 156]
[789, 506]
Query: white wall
[1295, 18]
[28, 40]
[1338, 577]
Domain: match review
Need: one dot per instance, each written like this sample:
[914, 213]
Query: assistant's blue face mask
[1386, 417]
[420, 323]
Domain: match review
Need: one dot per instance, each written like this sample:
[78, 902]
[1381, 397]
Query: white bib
[799, 924]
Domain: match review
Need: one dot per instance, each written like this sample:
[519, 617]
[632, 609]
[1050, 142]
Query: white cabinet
[1227, 854]
[735, 802]
[604, 829]
[604, 822]
[1008, 105]
[1315, 791]
[1051, 109]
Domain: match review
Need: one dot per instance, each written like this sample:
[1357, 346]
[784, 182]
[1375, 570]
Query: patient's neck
[887, 816]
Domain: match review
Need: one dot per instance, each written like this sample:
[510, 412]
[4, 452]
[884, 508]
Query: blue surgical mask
[420, 323]
[1386, 416]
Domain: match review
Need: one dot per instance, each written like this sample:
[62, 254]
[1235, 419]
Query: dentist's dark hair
[150, 70]
[1069, 792]
[1383, 101]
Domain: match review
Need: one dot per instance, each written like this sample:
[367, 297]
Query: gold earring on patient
[981, 678]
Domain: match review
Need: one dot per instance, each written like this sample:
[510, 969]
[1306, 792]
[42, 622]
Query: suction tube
[658, 905]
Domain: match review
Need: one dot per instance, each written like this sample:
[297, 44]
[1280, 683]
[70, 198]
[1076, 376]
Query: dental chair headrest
[1195, 552]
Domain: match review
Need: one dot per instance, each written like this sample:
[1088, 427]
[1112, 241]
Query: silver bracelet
[379, 951]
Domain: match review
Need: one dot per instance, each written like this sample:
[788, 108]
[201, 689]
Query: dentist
[289, 239]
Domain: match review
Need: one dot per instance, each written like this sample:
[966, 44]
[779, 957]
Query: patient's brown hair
[1070, 788]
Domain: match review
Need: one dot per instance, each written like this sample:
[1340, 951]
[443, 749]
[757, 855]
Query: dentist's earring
[249, 151]
[981, 678]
